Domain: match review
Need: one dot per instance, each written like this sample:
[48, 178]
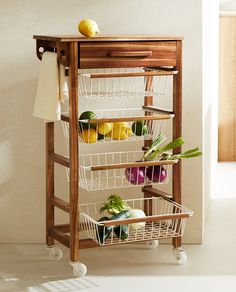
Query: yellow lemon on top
[88, 27]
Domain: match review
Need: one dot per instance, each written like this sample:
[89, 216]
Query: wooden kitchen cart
[106, 59]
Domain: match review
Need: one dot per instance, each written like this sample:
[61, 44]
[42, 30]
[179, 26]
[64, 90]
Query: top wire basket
[118, 83]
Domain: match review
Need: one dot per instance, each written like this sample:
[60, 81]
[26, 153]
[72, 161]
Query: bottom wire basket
[164, 219]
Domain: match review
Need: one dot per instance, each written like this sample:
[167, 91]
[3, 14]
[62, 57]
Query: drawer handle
[131, 53]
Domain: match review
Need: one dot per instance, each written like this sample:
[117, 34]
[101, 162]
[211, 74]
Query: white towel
[52, 88]
[63, 83]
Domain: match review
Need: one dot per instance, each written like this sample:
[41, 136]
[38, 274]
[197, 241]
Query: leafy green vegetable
[155, 150]
[172, 145]
[187, 154]
[121, 210]
[114, 205]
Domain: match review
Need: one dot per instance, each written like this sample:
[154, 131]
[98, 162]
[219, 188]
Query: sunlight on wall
[6, 163]
[225, 182]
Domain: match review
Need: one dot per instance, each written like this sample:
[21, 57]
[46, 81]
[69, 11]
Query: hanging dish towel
[52, 88]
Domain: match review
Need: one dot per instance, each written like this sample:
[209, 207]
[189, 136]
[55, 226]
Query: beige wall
[22, 198]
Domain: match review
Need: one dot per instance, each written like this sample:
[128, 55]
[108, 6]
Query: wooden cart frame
[114, 51]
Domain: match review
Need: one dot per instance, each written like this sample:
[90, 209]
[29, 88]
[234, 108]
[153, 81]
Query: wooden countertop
[104, 38]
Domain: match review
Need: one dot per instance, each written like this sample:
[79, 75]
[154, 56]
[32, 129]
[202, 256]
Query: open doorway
[226, 166]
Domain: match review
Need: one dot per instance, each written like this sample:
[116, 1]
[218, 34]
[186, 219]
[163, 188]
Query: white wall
[227, 5]
[22, 192]
[210, 99]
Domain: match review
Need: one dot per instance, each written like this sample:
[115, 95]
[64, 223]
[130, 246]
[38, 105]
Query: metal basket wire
[113, 170]
[110, 83]
[164, 219]
[120, 125]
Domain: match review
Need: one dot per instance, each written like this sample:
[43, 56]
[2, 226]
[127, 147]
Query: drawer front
[127, 54]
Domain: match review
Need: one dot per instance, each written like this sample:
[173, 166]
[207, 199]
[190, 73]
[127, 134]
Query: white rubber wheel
[55, 253]
[79, 269]
[180, 255]
[152, 244]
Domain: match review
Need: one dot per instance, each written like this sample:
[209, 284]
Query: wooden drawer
[127, 54]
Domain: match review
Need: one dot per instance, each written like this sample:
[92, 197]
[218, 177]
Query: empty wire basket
[123, 82]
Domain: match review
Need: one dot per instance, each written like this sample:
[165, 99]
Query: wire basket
[113, 170]
[120, 125]
[123, 82]
[164, 219]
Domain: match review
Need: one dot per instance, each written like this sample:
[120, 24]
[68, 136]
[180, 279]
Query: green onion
[154, 150]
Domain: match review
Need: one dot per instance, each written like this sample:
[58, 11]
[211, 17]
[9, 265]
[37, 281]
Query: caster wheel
[180, 255]
[79, 269]
[152, 244]
[55, 253]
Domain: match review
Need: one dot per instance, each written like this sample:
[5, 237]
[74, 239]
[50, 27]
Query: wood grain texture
[101, 54]
[132, 74]
[130, 119]
[131, 53]
[49, 182]
[133, 164]
[88, 243]
[227, 90]
[60, 236]
[148, 110]
[59, 159]
[102, 38]
[73, 151]
[61, 204]
[177, 132]
[148, 102]
[155, 192]
[146, 219]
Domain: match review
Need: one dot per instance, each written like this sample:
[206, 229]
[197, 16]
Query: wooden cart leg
[73, 152]
[49, 182]
[148, 101]
[177, 131]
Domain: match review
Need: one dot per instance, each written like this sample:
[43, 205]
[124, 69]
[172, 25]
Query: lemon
[120, 131]
[88, 27]
[104, 128]
[120, 125]
[89, 136]
[129, 132]
[109, 134]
